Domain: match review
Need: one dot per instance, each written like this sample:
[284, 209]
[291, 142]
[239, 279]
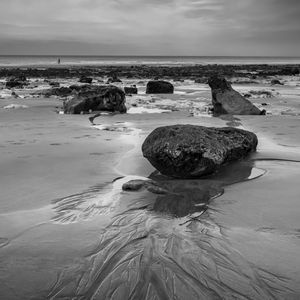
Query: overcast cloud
[150, 27]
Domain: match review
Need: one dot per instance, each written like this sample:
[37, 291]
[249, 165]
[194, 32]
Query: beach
[69, 231]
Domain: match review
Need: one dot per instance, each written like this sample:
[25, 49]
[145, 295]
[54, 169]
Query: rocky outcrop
[159, 87]
[16, 82]
[98, 98]
[226, 100]
[84, 79]
[187, 151]
[130, 90]
[186, 72]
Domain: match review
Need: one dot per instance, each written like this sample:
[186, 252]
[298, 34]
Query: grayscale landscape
[149, 150]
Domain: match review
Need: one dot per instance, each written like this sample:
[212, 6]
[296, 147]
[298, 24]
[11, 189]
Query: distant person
[58, 61]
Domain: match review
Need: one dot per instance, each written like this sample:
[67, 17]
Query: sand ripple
[143, 256]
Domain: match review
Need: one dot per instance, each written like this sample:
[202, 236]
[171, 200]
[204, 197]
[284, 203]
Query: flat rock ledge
[190, 151]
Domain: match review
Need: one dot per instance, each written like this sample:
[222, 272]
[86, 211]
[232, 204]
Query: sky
[150, 27]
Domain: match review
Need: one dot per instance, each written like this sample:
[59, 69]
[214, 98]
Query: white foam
[15, 106]
[143, 110]
[5, 93]
[120, 127]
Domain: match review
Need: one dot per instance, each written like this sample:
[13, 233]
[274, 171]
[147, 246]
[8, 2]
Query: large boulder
[187, 151]
[100, 98]
[226, 100]
[159, 87]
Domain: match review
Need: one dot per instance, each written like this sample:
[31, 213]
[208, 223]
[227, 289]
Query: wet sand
[68, 231]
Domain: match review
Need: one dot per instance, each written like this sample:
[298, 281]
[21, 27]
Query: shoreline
[251, 71]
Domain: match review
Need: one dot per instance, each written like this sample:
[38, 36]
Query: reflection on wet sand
[168, 247]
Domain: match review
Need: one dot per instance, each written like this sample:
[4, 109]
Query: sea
[66, 60]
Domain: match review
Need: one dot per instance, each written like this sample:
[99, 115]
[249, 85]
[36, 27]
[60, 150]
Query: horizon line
[185, 56]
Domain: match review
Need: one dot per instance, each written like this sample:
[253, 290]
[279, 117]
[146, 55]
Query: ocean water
[43, 60]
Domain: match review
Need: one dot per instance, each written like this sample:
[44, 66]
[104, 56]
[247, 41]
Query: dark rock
[67, 91]
[247, 95]
[159, 87]
[60, 91]
[113, 79]
[84, 79]
[16, 82]
[201, 80]
[130, 90]
[54, 84]
[276, 81]
[226, 100]
[81, 88]
[98, 98]
[186, 151]
[15, 95]
[150, 185]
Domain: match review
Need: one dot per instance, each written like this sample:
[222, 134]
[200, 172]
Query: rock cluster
[145, 71]
[16, 82]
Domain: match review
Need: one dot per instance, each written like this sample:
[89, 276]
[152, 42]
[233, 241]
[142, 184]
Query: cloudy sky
[150, 27]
